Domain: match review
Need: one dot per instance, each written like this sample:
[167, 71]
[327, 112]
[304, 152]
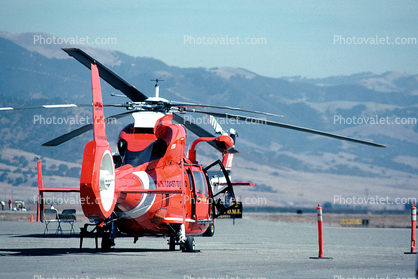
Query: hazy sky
[271, 38]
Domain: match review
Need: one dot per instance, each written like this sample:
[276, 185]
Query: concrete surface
[251, 248]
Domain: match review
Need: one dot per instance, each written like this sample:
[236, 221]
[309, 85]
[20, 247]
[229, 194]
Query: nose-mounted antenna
[157, 87]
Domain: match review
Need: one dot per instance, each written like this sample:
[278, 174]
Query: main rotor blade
[287, 126]
[200, 132]
[79, 131]
[47, 106]
[61, 106]
[108, 75]
[190, 105]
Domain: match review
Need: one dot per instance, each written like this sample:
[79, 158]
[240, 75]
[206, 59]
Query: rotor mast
[157, 87]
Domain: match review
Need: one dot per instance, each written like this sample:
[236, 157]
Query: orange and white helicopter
[149, 187]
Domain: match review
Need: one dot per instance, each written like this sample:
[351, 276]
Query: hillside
[288, 167]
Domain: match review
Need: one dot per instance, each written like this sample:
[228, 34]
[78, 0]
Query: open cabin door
[199, 194]
[223, 196]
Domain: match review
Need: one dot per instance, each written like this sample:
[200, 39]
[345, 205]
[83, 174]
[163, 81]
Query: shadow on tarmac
[30, 252]
[50, 251]
[50, 235]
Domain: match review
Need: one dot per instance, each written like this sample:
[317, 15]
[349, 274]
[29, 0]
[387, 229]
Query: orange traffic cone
[31, 218]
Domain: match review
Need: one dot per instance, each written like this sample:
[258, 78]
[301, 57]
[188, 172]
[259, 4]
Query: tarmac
[252, 248]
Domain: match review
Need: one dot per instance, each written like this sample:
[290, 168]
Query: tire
[210, 230]
[106, 243]
[172, 243]
[189, 245]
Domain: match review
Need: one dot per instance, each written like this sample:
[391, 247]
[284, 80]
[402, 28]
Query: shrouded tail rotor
[97, 183]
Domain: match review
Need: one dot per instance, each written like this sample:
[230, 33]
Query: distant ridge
[38, 74]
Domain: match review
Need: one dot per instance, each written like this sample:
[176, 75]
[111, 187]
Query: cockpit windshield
[154, 151]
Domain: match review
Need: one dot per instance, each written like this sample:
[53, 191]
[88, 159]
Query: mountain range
[288, 167]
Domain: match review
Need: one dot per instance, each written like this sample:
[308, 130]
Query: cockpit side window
[200, 183]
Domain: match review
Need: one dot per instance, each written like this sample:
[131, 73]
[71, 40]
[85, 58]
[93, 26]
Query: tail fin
[97, 182]
[99, 130]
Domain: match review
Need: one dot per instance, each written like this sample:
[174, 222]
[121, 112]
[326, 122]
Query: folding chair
[51, 216]
[67, 216]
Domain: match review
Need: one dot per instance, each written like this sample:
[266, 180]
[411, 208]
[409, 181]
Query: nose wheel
[188, 246]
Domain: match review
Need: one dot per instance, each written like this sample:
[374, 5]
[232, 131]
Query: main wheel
[189, 245]
[210, 230]
[107, 243]
[172, 243]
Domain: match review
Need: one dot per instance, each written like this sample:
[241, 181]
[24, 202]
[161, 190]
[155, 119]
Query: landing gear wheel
[210, 230]
[107, 243]
[172, 243]
[189, 245]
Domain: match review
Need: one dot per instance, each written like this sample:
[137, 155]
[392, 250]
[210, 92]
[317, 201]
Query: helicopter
[149, 187]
